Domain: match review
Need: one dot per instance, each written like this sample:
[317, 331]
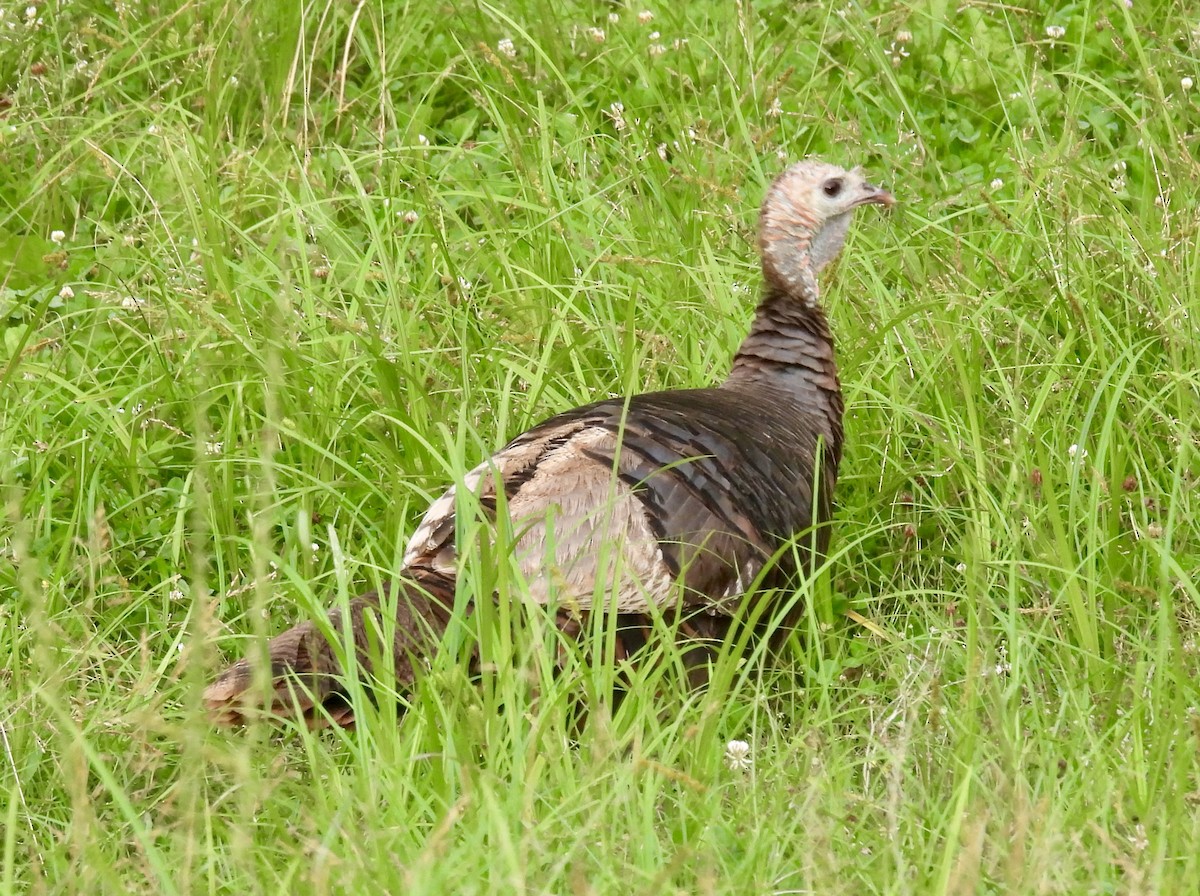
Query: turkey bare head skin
[697, 507]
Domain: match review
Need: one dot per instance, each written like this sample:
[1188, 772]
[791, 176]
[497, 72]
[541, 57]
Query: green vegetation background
[272, 274]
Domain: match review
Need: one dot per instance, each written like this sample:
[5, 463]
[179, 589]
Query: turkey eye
[833, 186]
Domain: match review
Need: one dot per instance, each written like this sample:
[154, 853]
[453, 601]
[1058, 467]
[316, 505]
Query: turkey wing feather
[616, 506]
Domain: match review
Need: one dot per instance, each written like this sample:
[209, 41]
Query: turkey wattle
[670, 503]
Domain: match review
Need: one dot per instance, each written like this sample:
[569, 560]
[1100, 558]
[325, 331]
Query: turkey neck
[789, 352]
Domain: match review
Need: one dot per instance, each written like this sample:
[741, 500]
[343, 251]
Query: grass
[317, 260]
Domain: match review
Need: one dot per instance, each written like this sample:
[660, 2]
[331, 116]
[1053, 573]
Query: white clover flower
[409, 217]
[645, 17]
[1139, 840]
[1117, 184]
[1074, 452]
[616, 112]
[57, 236]
[657, 49]
[597, 35]
[1186, 83]
[996, 184]
[613, 18]
[213, 448]
[655, 35]
[898, 53]
[505, 47]
[903, 37]
[66, 293]
[31, 12]
[737, 755]
[1056, 32]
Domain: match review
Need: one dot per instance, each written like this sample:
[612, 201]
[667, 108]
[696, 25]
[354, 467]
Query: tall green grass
[317, 260]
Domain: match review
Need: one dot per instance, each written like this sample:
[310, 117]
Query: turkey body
[703, 486]
[682, 505]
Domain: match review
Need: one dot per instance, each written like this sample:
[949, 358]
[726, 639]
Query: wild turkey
[670, 503]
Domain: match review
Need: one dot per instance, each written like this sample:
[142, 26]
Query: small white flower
[960, 568]
[1154, 530]
[645, 17]
[776, 108]
[616, 112]
[66, 293]
[409, 217]
[1074, 452]
[31, 12]
[654, 35]
[233, 80]
[657, 49]
[1186, 83]
[153, 129]
[903, 37]
[597, 35]
[132, 302]
[1003, 666]
[57, 236]
[613, 18]
[737, 755]
[422, 139]
[213, 448]
[1056, 32]
[997, 184]
[1139, 840]
[507, 48]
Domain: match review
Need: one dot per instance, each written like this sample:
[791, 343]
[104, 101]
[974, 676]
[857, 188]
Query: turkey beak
[877, 195]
